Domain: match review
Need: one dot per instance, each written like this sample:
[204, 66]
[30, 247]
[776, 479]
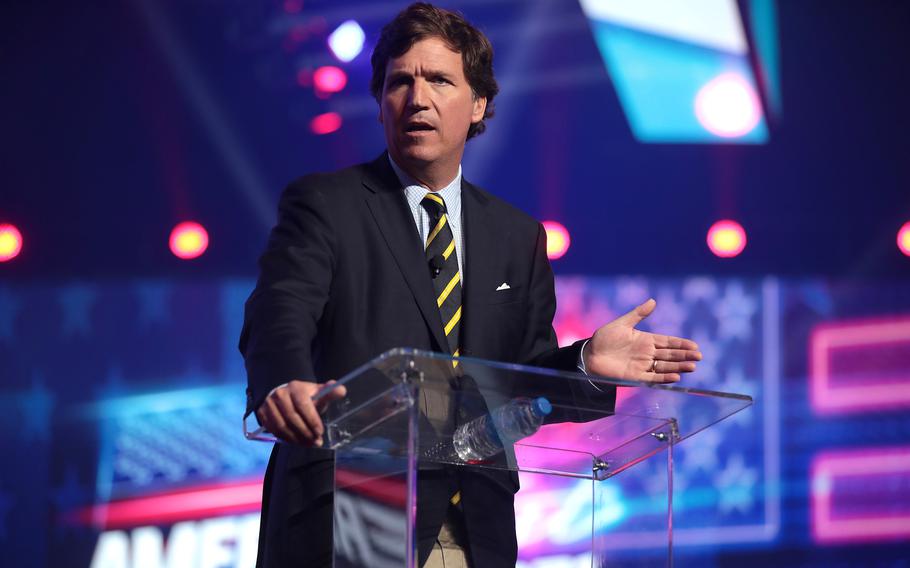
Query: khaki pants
[448, 552]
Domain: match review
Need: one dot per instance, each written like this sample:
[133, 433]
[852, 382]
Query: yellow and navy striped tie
[443, 260]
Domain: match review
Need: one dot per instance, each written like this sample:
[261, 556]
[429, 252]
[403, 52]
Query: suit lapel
[479, 263]
[389, 208]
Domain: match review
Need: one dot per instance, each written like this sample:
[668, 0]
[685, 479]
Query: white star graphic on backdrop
[706, 371]
[735, 483]
[669, 315]
[76, 301]
[9, 309]
[655, 482]
[154, 303]
[700, 451]
[735, 381]
[631, 292]
[734, 313]
[571, 293]
[701, 288]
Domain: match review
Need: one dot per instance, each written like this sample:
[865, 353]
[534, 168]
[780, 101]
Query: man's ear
[480, 107]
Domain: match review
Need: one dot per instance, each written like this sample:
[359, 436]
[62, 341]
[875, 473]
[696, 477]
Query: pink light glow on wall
[860, 366]
[861, 495]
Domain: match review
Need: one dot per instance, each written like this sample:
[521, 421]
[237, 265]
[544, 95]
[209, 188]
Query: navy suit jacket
[343, 279]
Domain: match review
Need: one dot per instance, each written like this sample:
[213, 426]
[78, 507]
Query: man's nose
[419, 95]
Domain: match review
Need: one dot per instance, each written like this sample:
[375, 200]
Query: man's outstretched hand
[620, 351]
[290, 414]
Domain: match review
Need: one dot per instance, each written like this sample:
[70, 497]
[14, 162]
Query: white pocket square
[503, 286]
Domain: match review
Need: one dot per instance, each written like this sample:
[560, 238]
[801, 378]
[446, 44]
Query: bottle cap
[541, 407]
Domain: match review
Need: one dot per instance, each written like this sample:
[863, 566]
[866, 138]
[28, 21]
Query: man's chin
[418, 155]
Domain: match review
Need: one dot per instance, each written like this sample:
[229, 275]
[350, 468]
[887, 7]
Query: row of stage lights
[189, 240]
[345, 43]
[726, 106]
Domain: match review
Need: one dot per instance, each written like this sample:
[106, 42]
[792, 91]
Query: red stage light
[903, 238]
[326, 123]
[726, 238]
[10, 242]
[329, 79]
[558, 240]
[189, 240]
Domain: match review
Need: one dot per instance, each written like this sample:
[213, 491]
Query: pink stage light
[860, 495]
[727, 106]
[558, 239]
[326, 123]
[860, 366]
[189, 240]
[329, 79]
[903, 239]
[726, 238]
[10, 242]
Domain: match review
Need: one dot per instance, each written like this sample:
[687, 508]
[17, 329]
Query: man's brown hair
[421, 21]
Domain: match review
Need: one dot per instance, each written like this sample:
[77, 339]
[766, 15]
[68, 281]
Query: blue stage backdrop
[635, 124]
[121, 405]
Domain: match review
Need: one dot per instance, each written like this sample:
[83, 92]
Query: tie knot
[434, 204]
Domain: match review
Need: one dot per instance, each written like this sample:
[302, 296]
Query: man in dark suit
[403, 251]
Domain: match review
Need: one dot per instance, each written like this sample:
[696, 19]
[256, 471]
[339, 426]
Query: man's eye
[441, 80]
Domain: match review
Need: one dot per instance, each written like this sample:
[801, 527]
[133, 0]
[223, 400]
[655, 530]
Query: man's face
[427, 107]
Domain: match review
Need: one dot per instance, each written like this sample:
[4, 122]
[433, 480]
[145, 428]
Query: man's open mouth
[418, 127]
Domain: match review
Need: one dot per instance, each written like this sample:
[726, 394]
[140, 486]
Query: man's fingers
[293, 419]
[666, 378]
[670, 342]
[304, 406]
[331, 394]
[270, 417]
[661, 367]
[677, 355]
[635, 316]
[660, 378]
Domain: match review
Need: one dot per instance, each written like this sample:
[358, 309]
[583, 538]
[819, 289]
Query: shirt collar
[451, 193]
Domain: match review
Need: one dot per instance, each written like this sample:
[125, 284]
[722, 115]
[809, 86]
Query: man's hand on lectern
[290, 414]
[618, 350]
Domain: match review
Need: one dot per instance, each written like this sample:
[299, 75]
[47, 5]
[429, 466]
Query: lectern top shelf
[592, 428]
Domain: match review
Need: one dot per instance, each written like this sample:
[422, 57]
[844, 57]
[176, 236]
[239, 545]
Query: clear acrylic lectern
[403, 408]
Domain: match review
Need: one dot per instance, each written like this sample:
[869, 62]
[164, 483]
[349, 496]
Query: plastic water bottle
[485, 436]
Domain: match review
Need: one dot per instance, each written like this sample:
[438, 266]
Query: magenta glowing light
[903, 239]
[329, 79]
[188, 240]
[346, 42]
[727, 106]
[726, 238]
[860, 366]
[843, 511]
[10, 242]
[325, 123]
[558, 239]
